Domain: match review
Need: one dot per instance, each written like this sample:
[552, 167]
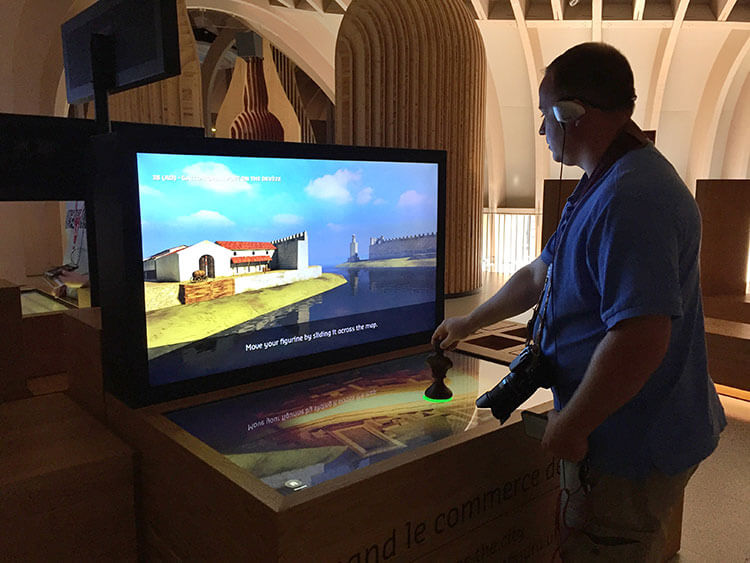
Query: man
[635, 410]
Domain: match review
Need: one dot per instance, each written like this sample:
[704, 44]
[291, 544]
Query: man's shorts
[609, 518]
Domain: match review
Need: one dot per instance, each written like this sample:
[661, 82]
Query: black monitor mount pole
[103, 71]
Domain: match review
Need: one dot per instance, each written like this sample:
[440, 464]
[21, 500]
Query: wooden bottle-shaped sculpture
[255, 122]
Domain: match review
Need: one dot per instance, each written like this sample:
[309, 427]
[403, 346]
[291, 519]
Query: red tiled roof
[249, 259]
[240, 245]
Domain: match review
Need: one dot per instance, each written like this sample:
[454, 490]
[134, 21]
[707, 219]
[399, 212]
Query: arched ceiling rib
[664, 58]
[736, 157]
[533, 57]
[596, 20]
[303, 37]
[209, 68]
[638, 8]
[722, 75]
[722, 8]
[482, 8]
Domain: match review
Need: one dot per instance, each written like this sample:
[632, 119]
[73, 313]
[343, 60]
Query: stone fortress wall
[415, 246]
[291, 253]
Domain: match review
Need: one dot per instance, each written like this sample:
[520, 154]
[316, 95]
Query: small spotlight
[213, 129]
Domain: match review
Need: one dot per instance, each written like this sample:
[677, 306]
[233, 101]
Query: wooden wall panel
[401, 83]
[725, 210]
[728, 346]
[255, 121]
[12, 378]
[43, 244]
[556, 193]
[286, 72]
[277, 102]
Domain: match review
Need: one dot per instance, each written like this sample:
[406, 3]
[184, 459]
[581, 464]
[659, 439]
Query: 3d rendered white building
[216, 259]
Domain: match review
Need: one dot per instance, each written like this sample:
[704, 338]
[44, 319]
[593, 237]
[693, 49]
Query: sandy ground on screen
[188, 323]
[391, 263]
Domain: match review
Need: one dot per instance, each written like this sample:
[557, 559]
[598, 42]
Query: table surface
[299, 435]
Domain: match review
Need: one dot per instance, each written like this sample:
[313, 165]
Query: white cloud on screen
[379, 201]
[287, 219]
[335, 227]
[216, 177]
[333, 187]
[410, 198]
[206, 217]
[148, 190]
[364, 196]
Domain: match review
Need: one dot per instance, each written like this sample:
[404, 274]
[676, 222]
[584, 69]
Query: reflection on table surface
[35, 301]
[299, 435]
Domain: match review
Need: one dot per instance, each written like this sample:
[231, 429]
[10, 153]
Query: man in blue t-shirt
[621, 321]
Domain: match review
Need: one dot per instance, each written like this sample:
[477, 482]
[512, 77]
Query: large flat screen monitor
[243, 261]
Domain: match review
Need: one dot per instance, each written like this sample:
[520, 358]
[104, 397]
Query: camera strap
[542, 303]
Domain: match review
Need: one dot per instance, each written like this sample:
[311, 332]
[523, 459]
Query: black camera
[528, 372]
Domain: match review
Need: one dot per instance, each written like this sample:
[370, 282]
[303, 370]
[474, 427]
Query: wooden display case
[481, 490]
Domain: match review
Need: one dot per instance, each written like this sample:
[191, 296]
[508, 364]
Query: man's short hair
[594, 73]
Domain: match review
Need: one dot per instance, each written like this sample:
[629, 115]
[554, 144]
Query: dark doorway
[206, 263]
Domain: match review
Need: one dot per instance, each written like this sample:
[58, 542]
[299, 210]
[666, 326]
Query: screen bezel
[117, 261]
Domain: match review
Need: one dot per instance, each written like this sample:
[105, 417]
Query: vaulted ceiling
[691, 60]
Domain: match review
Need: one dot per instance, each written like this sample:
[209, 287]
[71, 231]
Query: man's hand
[73, 279]
[450, 332]
[564, 440]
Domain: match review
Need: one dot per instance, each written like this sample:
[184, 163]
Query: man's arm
[621, 365]
[517, 295]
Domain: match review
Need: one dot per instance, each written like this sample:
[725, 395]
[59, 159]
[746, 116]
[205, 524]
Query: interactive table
[347, 463]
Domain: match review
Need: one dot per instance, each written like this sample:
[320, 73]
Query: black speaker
[249, 45]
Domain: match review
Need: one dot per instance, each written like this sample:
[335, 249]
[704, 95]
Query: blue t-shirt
[629, 246]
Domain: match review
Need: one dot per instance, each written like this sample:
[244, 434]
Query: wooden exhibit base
[66, 485]
[487, 493]
[728, 307]
[728, 346]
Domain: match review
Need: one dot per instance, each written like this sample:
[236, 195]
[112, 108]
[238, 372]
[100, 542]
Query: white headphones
[566, 111]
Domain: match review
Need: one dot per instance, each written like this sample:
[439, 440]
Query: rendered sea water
[366, 290]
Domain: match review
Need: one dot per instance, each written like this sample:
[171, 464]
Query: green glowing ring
[426, 398]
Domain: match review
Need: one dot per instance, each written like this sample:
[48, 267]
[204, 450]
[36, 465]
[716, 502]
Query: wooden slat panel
[725, 211]
[386, 52]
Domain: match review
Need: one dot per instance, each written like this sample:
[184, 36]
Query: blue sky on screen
[189, 198]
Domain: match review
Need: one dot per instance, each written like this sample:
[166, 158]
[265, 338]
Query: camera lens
[508, 395]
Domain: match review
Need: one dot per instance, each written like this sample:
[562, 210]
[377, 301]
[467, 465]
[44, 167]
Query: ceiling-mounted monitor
[144, 37]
